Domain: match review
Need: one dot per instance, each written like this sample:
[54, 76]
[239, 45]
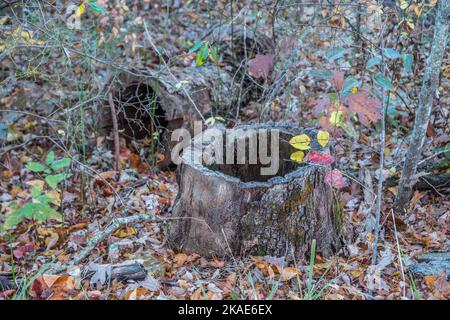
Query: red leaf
[338, 80]
[20, 252]
[261, 65]
[321, 158]
[430, 130]
[335, 179]
[366, 106]
[37, 288]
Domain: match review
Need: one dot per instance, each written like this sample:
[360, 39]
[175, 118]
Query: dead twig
[115, 133]
[102, 235]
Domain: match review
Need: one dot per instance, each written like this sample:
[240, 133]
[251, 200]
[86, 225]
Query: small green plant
[313, 291]
[39, 208]
[204, 50]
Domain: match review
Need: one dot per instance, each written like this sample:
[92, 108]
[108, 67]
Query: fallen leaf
[125, 232]
[260, 66]
[289, 273]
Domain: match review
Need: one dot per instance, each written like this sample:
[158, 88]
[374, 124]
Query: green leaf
[214, 55]
[44, 212]
[204, 52]
[49, 158]
[36, 167]
[408, 61]
[59, 164]
[349, 84]
[35, 192]
[334, 53]
[374, 61]
[321, 74]
[12, 220]
[44, 199]
[96, 7]
[53, 180]
[37, 211]
[384, 82]
[199, 60]
[197, 45]
[391, 53]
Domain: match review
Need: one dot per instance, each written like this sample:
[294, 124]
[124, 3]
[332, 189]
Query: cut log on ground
[121, 272]
[235, 209]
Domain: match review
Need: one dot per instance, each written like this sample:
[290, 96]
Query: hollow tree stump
[233, 209]
[164, 101]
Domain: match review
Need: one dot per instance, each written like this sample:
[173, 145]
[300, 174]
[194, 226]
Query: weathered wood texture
[165, 101]
[232, 209]
[432, 263]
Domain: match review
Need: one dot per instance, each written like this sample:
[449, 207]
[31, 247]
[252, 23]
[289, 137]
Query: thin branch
[102, 235]
[115, 132]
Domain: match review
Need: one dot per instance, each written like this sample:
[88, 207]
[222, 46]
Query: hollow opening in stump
[258, 156]
[139, 112]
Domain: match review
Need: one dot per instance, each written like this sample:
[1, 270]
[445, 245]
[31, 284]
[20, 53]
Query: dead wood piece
[428, 182]
[154, 106]
[102, 235]
[7, 282]
[432, 263]
[121, 272]
[226, 209]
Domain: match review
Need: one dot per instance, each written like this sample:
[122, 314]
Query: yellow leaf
[336, 118]
[25, 35]
[288, 273]
[403, 4]
[323, 137]
[410, 23]
[300, 142]
[126, 232]
[298, 156]
[4, 20]
[55, 195]
[418, 10]
[355, 90]
[36, 183]
[80, 9]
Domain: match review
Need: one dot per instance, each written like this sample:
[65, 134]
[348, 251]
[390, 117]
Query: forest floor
[32, 103]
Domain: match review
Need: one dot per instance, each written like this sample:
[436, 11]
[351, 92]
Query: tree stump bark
[233, 209]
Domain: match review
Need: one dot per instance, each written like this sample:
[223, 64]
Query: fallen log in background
[163, 102]
[231, 207]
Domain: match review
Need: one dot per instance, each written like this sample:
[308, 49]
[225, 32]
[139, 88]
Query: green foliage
[349, 84]
[334, 54]
[40, 208]
[408, 61]
[96, 7]
[321, 74]
[374, 61]
[313, 291]
[384, 82]
[204, 51]
[391, 53]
